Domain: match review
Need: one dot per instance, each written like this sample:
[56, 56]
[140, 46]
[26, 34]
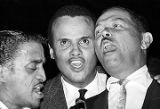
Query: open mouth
[38, 89]
[107, 47]
[76, 64]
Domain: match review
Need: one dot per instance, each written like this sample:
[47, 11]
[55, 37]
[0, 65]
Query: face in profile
[117, 40]
[74, 48]
[25, 75]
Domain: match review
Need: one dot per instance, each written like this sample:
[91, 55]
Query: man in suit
[121, 42]
[21, 69]
[71, 36]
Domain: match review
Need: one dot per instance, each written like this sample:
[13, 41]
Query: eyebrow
[38, 61]
[114, 18]
[121, 19]
[87, 37]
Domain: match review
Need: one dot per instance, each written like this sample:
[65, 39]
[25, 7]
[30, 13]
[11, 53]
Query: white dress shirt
[97, 86]
[136, 89]
[3, 106]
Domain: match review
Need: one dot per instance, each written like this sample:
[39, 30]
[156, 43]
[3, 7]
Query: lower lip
[40, 94]
[77, 69]
[108, 52]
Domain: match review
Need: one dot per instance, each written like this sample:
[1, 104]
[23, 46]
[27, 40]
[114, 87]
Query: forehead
[116, 13]
[74, 20]
[30, 51]
[67, 25]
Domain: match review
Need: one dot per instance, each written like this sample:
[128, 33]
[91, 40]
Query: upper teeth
[38, 87]
[106, 44]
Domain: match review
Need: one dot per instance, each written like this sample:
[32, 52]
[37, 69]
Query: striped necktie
[122, 96]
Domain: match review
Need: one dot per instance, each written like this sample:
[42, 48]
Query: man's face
[26, 75]
[117, 40]
[74, 48]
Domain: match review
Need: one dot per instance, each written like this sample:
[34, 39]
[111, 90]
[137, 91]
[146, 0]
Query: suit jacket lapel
[99, 101]
[148, 95]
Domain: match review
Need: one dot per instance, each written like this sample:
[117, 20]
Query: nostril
[108, 34]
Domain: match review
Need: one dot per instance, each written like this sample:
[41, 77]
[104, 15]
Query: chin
[35, 105]
[78, 80]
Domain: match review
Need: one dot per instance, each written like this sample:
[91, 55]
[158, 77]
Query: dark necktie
[80, 102]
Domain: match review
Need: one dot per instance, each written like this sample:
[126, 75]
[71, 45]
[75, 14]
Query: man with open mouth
[71, 36]
[21, 69]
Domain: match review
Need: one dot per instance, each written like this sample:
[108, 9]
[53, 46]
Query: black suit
[152, 99]
[54, 95]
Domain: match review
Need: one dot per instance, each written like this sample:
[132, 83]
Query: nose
[76, 50]
[41, 75]
[105, 33]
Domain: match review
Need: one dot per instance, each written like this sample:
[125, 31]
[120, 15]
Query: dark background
[34, 15]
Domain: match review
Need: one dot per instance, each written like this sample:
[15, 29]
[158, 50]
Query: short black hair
[11, 40]
[72, 11]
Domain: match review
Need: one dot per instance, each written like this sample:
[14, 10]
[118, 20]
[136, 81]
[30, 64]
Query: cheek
[90, 56]
[61, 59]
[61, 55]
[97, 42]
[98, 49]
[128, 44]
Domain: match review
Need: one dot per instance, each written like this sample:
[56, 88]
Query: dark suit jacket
[54, 95]
[152, 99]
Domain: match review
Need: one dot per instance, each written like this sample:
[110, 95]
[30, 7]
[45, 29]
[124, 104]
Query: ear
[51, 52]
[147, 39]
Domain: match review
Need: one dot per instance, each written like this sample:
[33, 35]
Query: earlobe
[147, 39]
[51, 52]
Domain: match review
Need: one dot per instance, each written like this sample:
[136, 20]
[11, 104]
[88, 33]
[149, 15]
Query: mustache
[106, 40]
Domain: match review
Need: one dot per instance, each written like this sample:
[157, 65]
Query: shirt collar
[3, 106]
[95, 87]
[141, 77]
[69, 89]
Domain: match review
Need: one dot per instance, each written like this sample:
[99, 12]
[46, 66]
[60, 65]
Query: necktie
[80, 102]
[122, 97]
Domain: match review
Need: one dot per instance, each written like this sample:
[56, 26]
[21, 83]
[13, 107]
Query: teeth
[108, 47]
[76, 64]
[106, 44]
[37, 88]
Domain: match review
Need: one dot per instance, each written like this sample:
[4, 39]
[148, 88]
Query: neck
[123, 73]
[82, 83]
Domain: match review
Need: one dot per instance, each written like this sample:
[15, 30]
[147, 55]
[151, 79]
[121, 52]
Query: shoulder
[52, 84]
[98, 100]
[152, 99]
[53, 92]
[154, 89]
